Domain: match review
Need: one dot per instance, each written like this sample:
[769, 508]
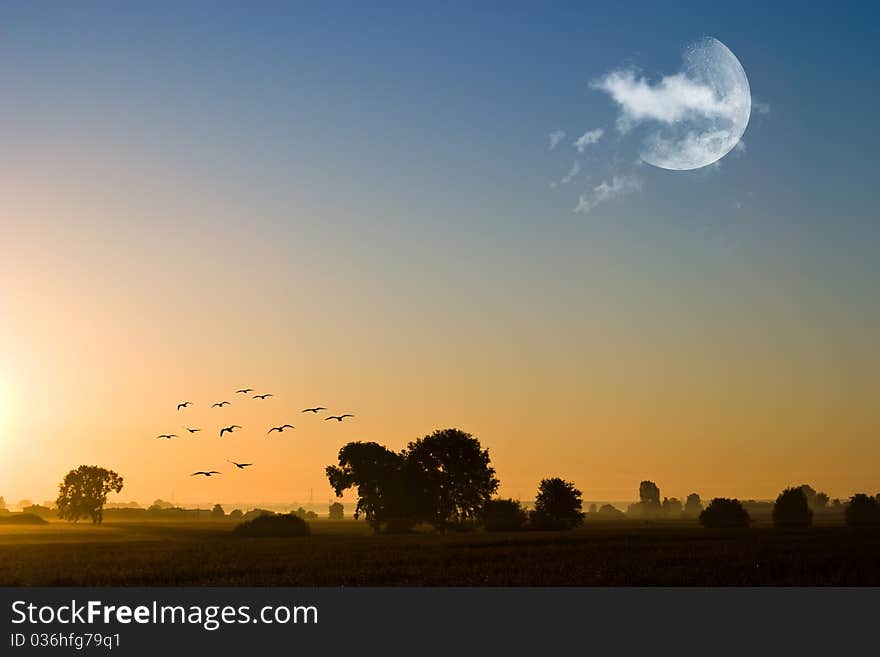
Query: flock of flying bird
[224, 430]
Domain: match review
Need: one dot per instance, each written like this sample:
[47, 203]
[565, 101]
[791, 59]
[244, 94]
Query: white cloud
[606, 191]
[588, 138]
[675, 98]
[693, 117]
[567, 178]
[760, 107]
[555, 137]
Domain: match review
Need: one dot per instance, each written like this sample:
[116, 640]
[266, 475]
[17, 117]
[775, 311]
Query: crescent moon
[703, 138]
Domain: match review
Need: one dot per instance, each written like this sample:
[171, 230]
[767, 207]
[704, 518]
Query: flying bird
[244, 390]
[207, 473]
[268, 394]
[314, 410]
[339, 417]
[228, 429]
[281, 428]
[167, 436]
[219, 404]
[240, 466]
[192, 430]
[183, 405]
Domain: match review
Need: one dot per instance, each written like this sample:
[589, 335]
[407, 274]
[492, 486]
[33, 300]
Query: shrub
[863, 511]
[504, 516]
[286, 524]
[723, 512]
[609, 512]
[792, 509]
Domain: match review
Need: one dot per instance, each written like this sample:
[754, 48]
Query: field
[347, 553]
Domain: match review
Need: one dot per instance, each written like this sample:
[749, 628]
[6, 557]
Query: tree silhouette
[791, 509]
[443, 479]
[671, 507]
[863, 511]
[504, 515]
[452, 469]
[557, 505]
[84, 491]
[693, 506]
[336, 511]
[236, 514]
[217, 512]
[2, 503]
[380, 478]
[723, 512]
[814, 500]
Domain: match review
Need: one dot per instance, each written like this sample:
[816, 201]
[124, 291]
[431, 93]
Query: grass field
[346, 553]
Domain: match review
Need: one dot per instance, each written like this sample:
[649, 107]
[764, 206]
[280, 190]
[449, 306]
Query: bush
[286, 524]
[504, 516]
[723, 512]
[22, 519]
[609, 512]
[863, 511]
[792, 509]
[397, 525]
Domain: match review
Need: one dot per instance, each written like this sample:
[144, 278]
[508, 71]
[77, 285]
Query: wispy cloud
[588, 138]
[760, 107]
[567, 178]
[556, 137]
[606, 191]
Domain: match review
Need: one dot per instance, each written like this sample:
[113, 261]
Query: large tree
[84, 491]
[379, 476]
[444, 478]
[452, 473]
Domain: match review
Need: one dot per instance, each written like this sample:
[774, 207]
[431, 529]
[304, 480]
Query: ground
[347, 553]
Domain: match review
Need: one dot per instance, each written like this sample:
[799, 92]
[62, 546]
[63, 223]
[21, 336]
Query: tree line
[446, 480]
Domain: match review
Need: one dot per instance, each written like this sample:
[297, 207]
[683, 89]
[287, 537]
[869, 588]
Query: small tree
[723, 512]
[84, 491]
[217, 512]
[2, 503]
[649, 499]
[504, 516]
[791, 509]
[693, 506]
[337, 511]
[235, 514]
[863, 511]
[671, 507]
[557, 505]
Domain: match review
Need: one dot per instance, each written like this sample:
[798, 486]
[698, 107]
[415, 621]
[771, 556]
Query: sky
[357, 207]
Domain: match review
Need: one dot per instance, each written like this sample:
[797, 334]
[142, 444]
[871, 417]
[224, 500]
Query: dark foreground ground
[345, 553]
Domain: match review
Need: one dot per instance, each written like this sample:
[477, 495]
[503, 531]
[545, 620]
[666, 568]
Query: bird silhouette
[240, 466]
[228, 429]
[268, 394]
[192, 430]
[244, 390]
[168, 436]
[281, 428]
[339, 417]
[207, 473]
[314, 410]
[183, 405]
[219, 404]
